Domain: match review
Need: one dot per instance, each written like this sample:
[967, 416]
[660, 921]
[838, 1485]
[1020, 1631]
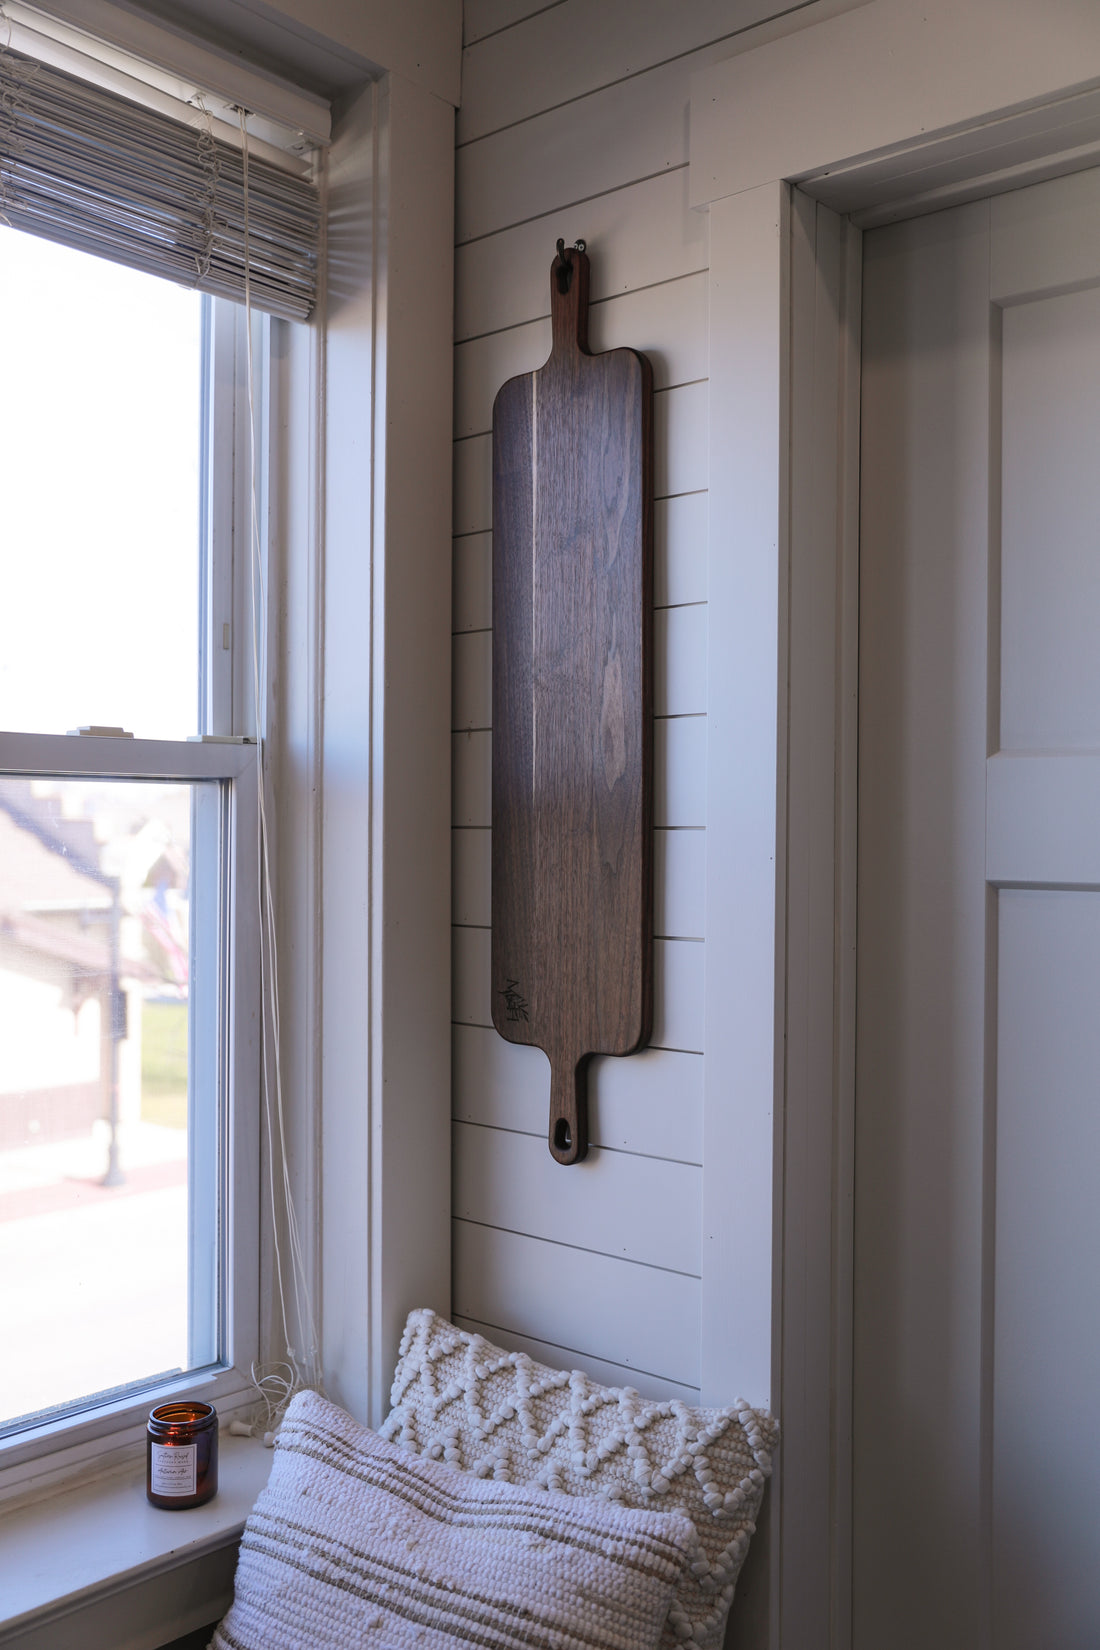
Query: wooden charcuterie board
[572, 725]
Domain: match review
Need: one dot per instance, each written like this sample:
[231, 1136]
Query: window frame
[358, 674]
[83, 1442]
[55, 1446]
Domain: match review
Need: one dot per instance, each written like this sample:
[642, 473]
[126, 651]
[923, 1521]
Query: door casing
[866, 115]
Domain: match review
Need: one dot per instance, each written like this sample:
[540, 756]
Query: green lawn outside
[164, 1064]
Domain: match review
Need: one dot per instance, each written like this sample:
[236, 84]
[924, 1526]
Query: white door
[977, 1211]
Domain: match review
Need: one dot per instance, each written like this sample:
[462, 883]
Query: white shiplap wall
[574, 123]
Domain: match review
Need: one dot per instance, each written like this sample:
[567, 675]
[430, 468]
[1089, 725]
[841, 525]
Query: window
[129, 948]
[133, 425]
[129, 883]
[101, 432]
[360, 505]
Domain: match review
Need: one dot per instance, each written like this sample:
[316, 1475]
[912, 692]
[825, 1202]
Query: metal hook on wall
[565, 262]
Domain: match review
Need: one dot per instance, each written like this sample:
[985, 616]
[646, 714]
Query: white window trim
[380, 805]
[152, 60]
[98, 1568]
[364, 516]
[37, 1458]
[358, 677]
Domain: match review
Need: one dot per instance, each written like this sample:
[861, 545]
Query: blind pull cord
[302, 1366]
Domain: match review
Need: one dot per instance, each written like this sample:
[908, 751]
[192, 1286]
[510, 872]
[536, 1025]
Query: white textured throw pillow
[355, 1545]
[500, 1415]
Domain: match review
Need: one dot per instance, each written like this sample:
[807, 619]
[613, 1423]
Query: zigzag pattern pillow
[354, 1543]
[500, 1415]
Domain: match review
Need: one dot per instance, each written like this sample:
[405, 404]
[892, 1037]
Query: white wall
[574, 123]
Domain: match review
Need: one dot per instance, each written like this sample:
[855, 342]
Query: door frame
[834, 119]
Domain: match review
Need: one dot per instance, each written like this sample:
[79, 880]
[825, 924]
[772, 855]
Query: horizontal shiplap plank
[680, 660]
[472, 600]
[678, 995]
[637, 236]
[482, 17]
[473, 485]
[679, 563]
[680, 550]
[564, 1357]
[650, 1103]
[470, 983]
[635, 1208]
[471, 896]
[667, 323]
[620, 135]
[503, 1085]
[680, 440]
[481, 367]
[679, 884]
[637, 1316]
[472, 679]
[471, 778]
[680, 770]
[680, 457]
[677, 987]
[565, 53]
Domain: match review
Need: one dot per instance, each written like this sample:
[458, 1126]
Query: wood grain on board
[679, 876]
[680, 457]
[571, 967]
[679, 668]
[678, 972]
[679, 564]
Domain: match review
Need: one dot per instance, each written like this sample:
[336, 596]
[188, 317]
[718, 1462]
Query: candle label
[173, 1469]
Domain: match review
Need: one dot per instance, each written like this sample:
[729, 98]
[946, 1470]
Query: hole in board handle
[563, 1136]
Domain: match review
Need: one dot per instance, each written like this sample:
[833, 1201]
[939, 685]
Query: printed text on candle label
[173, 1469]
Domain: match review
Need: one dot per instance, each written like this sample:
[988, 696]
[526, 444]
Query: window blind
[84, 166]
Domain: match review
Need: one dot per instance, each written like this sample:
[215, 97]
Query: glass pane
[109, 1093]
[99, 517]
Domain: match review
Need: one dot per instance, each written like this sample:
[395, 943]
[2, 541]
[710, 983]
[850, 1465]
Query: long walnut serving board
[572, 698]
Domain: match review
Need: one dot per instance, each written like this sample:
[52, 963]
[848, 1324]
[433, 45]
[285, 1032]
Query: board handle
[569, 300]
[568, 1139]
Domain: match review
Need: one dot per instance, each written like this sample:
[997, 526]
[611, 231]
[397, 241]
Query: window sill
[122, 1574]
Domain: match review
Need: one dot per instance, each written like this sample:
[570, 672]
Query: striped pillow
[356, 1543]
[499, 1414]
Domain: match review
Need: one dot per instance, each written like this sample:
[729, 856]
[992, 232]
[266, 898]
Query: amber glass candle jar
[181, 1455]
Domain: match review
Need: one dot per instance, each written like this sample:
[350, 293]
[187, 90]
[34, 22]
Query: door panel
[976, 1474]
[1043, 818]
[1050, 566]
[1047, 1286]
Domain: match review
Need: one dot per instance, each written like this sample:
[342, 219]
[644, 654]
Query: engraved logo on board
[515, 1003]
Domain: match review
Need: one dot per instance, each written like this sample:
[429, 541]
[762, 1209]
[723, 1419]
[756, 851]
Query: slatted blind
[84, 166]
